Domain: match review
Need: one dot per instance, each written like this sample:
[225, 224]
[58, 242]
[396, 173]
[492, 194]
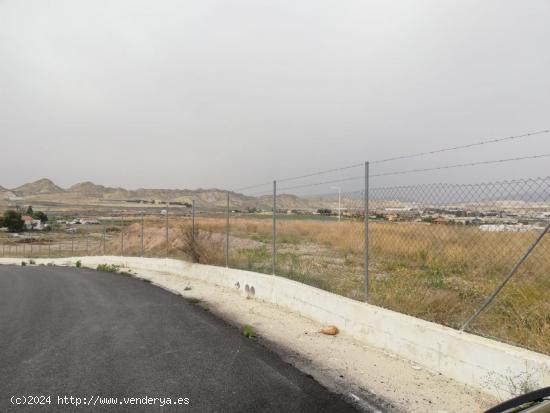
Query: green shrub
[13, 221]
[108, 268]
[78, 264]
[249, 332]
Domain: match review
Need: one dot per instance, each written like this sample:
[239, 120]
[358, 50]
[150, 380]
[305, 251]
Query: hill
[5, 193]
[42, 186]
[88, 193]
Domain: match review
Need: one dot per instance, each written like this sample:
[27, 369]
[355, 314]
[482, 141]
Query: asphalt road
[91, 335]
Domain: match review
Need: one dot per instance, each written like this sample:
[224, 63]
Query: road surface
[104, 339]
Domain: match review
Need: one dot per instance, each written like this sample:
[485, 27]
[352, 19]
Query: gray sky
[205, 93]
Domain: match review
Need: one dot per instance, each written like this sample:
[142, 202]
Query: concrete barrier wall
[482, 363]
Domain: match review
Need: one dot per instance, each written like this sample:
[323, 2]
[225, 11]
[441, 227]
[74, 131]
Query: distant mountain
[90, 189]
[42, 186]
[89, 193]
[6, 193]
[212, 197]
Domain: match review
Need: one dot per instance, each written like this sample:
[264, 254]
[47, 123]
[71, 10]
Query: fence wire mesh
[321, 242]
[436, 251]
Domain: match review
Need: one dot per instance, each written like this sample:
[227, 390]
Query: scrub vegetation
[440, 273]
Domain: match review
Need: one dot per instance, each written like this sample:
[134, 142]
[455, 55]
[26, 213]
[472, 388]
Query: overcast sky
[212, 93]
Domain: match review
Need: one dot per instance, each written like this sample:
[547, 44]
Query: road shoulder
[368, 376]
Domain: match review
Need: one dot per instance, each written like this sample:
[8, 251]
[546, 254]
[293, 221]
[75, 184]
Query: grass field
[440, 273]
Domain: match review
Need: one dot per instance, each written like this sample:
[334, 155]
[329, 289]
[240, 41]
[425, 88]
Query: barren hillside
[42, 186]
[44, 191]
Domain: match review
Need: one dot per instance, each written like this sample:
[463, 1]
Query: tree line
[13, 220]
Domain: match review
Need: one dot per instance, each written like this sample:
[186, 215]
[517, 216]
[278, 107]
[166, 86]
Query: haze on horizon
[209, 93]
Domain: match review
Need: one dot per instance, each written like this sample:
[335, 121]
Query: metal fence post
[142, 241]
[227, 233]
[490, 299]
[122, 236]
[193, 219]
[274, 230]
[166, 230]
[366, 207]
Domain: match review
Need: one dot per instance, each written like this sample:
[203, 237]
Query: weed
[512, 384]
[108, 268]
[201, 247]
[23, 263]
[78, 264]
[249, 332]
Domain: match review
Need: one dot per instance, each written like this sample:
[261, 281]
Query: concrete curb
[482, 363]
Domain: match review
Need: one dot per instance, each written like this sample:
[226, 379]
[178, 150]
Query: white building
[31, 223]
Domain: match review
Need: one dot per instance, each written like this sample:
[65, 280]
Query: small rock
[329, 330]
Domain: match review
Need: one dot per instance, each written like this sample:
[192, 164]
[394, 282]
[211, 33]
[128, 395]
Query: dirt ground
[341, 363]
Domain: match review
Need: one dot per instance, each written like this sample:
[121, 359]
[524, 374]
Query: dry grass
[437, 272]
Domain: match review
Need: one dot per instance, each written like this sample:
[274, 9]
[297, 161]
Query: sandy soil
[370, 377]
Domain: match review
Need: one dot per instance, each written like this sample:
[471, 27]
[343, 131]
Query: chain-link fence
[439, 250]
[434, 251]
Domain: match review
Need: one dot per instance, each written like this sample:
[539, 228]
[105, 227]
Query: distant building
[90, 222]
[31, 223]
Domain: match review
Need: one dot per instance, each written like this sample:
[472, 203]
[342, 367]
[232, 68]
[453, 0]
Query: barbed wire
[302, 176]
[402, 172]
[466, 146]
[461, 165]
[353, 178]
[415, 155]
[321, 172]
